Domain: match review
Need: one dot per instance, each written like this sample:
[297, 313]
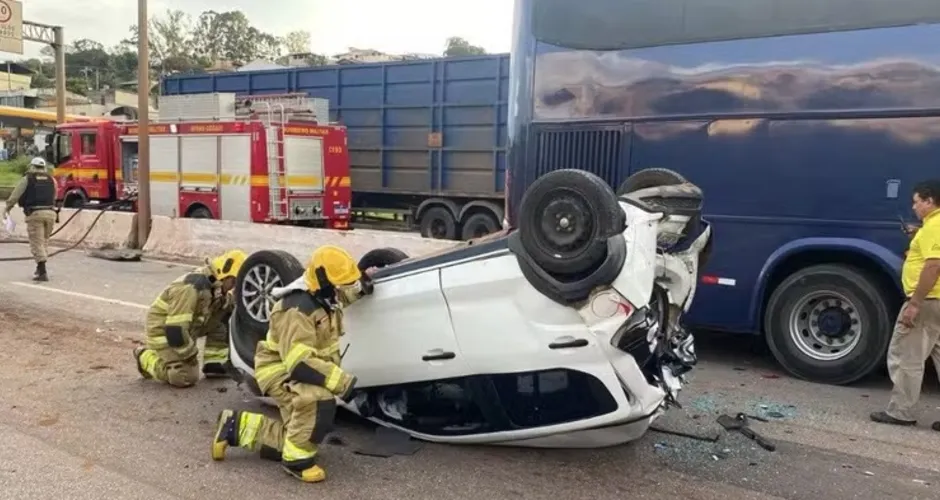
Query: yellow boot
[226, 434]
[312, 474]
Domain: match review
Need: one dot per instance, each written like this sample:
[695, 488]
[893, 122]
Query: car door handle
[438, 355]
[568, 343]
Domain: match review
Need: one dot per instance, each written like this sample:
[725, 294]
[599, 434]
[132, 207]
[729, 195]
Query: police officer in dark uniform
[36, 193]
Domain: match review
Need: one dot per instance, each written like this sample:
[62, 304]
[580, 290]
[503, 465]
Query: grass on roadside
[11, 171]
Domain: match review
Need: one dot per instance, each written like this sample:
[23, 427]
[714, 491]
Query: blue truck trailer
[427, 138]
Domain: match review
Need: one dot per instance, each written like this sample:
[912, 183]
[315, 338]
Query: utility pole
[59, 46]
[143, 124]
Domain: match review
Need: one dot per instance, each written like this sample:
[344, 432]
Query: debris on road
[116, 254]
[740, 424]
[711, 437]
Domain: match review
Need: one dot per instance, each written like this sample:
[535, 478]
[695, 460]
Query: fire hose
[103, 209]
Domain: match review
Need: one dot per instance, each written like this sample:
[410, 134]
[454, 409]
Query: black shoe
[935, 426]
[882, 417]
[214, 370]
[40, 274]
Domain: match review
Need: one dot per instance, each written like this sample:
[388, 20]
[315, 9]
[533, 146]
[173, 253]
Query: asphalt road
[77, 422]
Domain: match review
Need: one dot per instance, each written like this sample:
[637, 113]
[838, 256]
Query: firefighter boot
[40, 274]
[312, 474]
[138, 353]
[226, 433]
[214, 370]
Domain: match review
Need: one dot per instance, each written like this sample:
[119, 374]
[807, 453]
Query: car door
[402, 333]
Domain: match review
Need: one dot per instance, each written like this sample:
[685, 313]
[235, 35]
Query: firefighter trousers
[177, 366]
[307, 415]
[39, 226]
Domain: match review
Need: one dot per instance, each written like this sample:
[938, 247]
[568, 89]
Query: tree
[297, 42]
[170, 38]
[230, 36]
[457, 46]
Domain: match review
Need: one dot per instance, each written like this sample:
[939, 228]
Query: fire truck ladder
[284, 107]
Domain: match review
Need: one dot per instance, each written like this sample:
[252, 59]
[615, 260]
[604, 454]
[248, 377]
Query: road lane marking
[81, 295]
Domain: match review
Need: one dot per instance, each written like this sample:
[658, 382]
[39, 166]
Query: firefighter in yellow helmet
[197, 304]
[298, 365]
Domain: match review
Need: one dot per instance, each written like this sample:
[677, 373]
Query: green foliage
[457, 46]
[12, 170]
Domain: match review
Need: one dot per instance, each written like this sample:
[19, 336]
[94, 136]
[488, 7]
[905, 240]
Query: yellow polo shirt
[925, 245]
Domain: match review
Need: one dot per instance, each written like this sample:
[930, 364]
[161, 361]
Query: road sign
[11, 26]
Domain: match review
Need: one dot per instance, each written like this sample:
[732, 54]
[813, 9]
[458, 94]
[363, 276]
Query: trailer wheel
[828, 324]
[260, 273]
[438, 223]
[566, 217]
[381, 257]
[650, 177]
[479, 225]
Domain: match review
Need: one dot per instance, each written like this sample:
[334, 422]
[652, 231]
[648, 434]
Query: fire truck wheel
[75, 199]
[381, 257]
[650, 177]
[566, 217]
[199, 213]
[260, 273]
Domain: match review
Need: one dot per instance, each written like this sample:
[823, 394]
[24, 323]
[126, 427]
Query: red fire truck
[259, 159]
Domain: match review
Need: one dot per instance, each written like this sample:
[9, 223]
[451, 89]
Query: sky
[396, 26]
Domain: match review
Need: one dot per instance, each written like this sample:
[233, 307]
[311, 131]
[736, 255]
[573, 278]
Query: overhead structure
[53, 36]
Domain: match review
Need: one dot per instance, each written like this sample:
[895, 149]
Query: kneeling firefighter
[298, 365]
[197, 304]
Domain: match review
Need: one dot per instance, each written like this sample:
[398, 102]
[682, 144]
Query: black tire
[438, 223]
[199, 213]
[650, 177]
[75, 199]
[864, 306]
[284, 265]
[478, 225]
[381, 257]
[566, 217]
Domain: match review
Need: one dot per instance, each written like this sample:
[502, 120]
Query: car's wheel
[381, 257]
[478, 225]
[566, 217]
[260, 273]
[650, 177]
[438, 223]
[828, 324]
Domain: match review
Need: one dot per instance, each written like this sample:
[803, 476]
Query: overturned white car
[564, 333]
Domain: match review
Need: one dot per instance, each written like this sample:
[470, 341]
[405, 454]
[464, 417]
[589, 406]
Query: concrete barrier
[198, 238]
[118, 229]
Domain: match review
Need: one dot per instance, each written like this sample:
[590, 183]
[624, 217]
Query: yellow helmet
[228, 264]
[330, 265]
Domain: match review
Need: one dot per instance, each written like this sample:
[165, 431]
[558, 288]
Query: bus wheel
[438, 223]
[566, 217]
[650, 177]
[828, 324]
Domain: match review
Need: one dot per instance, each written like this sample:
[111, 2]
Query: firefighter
[36, 194]
[298, 365]
[194, 305]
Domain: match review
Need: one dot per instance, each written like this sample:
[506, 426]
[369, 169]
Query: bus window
[627, 24]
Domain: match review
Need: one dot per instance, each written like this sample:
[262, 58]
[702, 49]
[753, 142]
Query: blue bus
[805, 122]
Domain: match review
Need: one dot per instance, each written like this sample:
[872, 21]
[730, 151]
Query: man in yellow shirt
[917, 330]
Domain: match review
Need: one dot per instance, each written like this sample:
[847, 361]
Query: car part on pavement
[260, 273]
[566, 217]
[740, 424]
[828, 323]
[387, 443]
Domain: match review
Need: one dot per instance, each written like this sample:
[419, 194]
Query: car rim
[256, 291]
[565, 224]
[825, 326]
